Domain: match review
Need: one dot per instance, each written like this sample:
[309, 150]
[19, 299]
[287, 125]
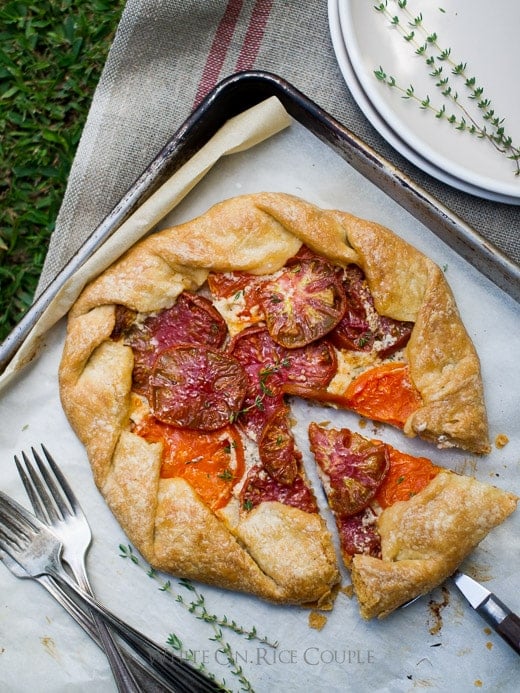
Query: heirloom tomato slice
[384, 393]
[259, 487]
[273, 370]
[407, 476]
[358, 534]
[362, 328]
[196, 387]
[353, 331]
[303, 303]
[191, 320]
[265, 369]
[211, 462]
[354, 467]
[277, 448]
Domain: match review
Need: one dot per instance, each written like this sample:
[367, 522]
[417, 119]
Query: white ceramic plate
[384, 129]
[377, 121]
[370, 41]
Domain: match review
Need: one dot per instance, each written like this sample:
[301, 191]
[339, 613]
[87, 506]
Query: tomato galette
[182, 359]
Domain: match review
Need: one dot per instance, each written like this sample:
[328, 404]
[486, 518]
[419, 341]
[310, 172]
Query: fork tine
[36, 503]
[49, 512]
[25, 526]
[10, 542]
[6, 547]
[69, 493]
[47, 489]
[8, 531]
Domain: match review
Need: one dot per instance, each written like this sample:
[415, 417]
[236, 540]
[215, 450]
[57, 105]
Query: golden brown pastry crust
[255, 233]
[424, 539]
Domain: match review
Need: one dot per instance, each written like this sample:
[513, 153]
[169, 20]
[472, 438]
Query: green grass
[51, 56]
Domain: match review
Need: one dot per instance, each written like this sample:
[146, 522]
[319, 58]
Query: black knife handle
[509, 629]
[502, 619]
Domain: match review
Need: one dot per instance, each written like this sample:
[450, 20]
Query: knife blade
[488, 605]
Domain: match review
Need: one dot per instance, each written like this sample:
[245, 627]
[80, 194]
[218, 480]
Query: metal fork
[31, 543]
[147, 680]
[56, 505]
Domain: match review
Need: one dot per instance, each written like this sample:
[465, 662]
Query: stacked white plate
[481, 37]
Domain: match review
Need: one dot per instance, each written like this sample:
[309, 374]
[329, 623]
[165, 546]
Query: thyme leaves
[195, 604]
[470, 111]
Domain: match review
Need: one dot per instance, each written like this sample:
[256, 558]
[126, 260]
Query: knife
[496, 613]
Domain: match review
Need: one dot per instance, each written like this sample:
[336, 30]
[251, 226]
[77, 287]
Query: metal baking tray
[399, 649]
[232, 96]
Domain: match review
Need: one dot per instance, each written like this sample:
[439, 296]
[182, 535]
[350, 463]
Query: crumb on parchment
[501, 440]
[317, 620]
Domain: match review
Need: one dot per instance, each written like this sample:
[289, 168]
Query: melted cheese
[236, 316]
[350, 365]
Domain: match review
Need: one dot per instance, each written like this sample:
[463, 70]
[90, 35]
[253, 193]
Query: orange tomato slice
[211, 462]
[384, 393]
[406, 476]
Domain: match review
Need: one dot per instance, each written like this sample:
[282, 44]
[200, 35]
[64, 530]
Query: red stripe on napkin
[254, 35]
[219, 48]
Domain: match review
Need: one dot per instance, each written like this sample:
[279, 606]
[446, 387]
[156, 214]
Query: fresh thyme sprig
[236, 669]
[197, 607]
[484, 124]
[424, 102]
[190, 656]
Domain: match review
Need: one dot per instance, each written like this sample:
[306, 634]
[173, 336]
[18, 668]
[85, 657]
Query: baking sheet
[397, 654]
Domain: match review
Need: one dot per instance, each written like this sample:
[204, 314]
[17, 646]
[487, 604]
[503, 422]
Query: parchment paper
[41, 648]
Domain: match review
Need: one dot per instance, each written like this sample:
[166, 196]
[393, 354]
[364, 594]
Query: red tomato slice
[277, 448]
[259, 487]
[197, 387]
[353, 331]
[264, 367]
[358, 534]
[273, 370]
[229, 284]
[394, 333]
[304, 303]
[311, 368]
[384, 393]
[211, 463]
[361, 327]
[354, 466]
[191, 320]
[241, 287]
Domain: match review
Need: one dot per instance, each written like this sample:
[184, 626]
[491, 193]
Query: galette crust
[255, 233]
[424, 540]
